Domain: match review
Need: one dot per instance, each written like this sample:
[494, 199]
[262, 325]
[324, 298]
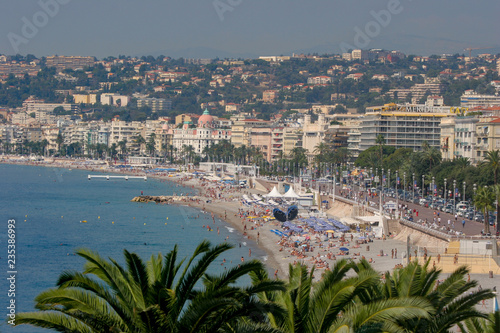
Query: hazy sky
[210, 28]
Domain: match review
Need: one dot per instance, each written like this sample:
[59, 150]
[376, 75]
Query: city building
[64, 62]
[32, 105]
[124, 131]
[402, 126]
[114, 99]
[458, 138]
[242, 128]
[269, 96]
[313, 133]
[487, 136]
[85, 99]
[200, 137]
[186, 117]
[156, 104]
[471, 99]
[319, 80]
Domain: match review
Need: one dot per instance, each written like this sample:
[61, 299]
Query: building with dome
[203, 134]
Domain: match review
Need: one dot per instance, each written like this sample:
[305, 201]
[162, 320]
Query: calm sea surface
[48, 205]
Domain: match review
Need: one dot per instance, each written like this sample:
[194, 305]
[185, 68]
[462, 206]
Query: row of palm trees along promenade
[172, 294]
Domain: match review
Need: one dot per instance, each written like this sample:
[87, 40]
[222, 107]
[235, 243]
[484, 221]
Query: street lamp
[474, 200]
[404, 186]
[381, 193]
[397, 194]
[454, 196]
[432, 192]
[445, 196]
[463, 195]
[423, 186]
[413, 189]
[388, 180]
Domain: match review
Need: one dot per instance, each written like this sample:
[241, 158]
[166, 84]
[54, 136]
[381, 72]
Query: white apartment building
[402, 126]
[470, 99]
[121, 130]
[319, 80]
[313, 133]
[458, 138]
[114, 99]
[34, 105]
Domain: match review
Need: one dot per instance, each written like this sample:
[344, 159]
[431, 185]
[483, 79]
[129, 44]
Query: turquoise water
[48, 205]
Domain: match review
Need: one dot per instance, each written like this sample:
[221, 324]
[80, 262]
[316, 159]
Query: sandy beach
[319, 250]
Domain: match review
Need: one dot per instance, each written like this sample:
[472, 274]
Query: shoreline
[216, 208]
[228, 207]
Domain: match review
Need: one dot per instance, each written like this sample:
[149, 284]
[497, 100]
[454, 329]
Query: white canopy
[291, 194]
[274, 194]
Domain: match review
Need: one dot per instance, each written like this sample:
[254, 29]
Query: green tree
[123, 147]
[156, 296]
[430, 155]
[484, 199]
[452, 299]
[336, 303]
[151, 145]
[481, 325]
[380, 141]
[491, 162]
[59, 141]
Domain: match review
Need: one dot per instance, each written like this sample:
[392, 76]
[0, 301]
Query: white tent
[274, 194]
[291, 194]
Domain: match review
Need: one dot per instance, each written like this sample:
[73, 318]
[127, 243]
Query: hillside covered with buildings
[273, 107]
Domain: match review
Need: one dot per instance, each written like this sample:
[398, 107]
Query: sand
[228, 205]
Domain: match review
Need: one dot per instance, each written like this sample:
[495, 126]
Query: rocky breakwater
[165, 199]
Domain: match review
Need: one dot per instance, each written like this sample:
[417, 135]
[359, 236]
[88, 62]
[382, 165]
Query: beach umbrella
[292, 212]
[279, 215]
[495, 304]
[345, 249]
[330, 231]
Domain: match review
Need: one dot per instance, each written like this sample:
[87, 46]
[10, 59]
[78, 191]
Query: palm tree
[380, 141]
[59, 141]
[341, 155]
[481, 325]
[334, 304]
[151, 145]
[484, 200]
[492, 162]
[139, 140]
[496, 190]
[462, 162]
[452, 300]
[430, 154]
[157, 296]
[123, 147]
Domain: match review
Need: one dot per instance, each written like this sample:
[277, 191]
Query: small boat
[83, 221]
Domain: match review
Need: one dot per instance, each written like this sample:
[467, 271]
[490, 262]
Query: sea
[50, 207]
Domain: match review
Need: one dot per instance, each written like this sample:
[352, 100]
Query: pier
[119, 177]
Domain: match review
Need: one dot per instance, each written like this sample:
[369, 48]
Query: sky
[246, 28]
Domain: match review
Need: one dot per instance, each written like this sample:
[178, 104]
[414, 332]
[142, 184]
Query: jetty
[107, 177]
[166, 199]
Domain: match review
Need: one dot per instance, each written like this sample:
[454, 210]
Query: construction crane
[475, 48]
